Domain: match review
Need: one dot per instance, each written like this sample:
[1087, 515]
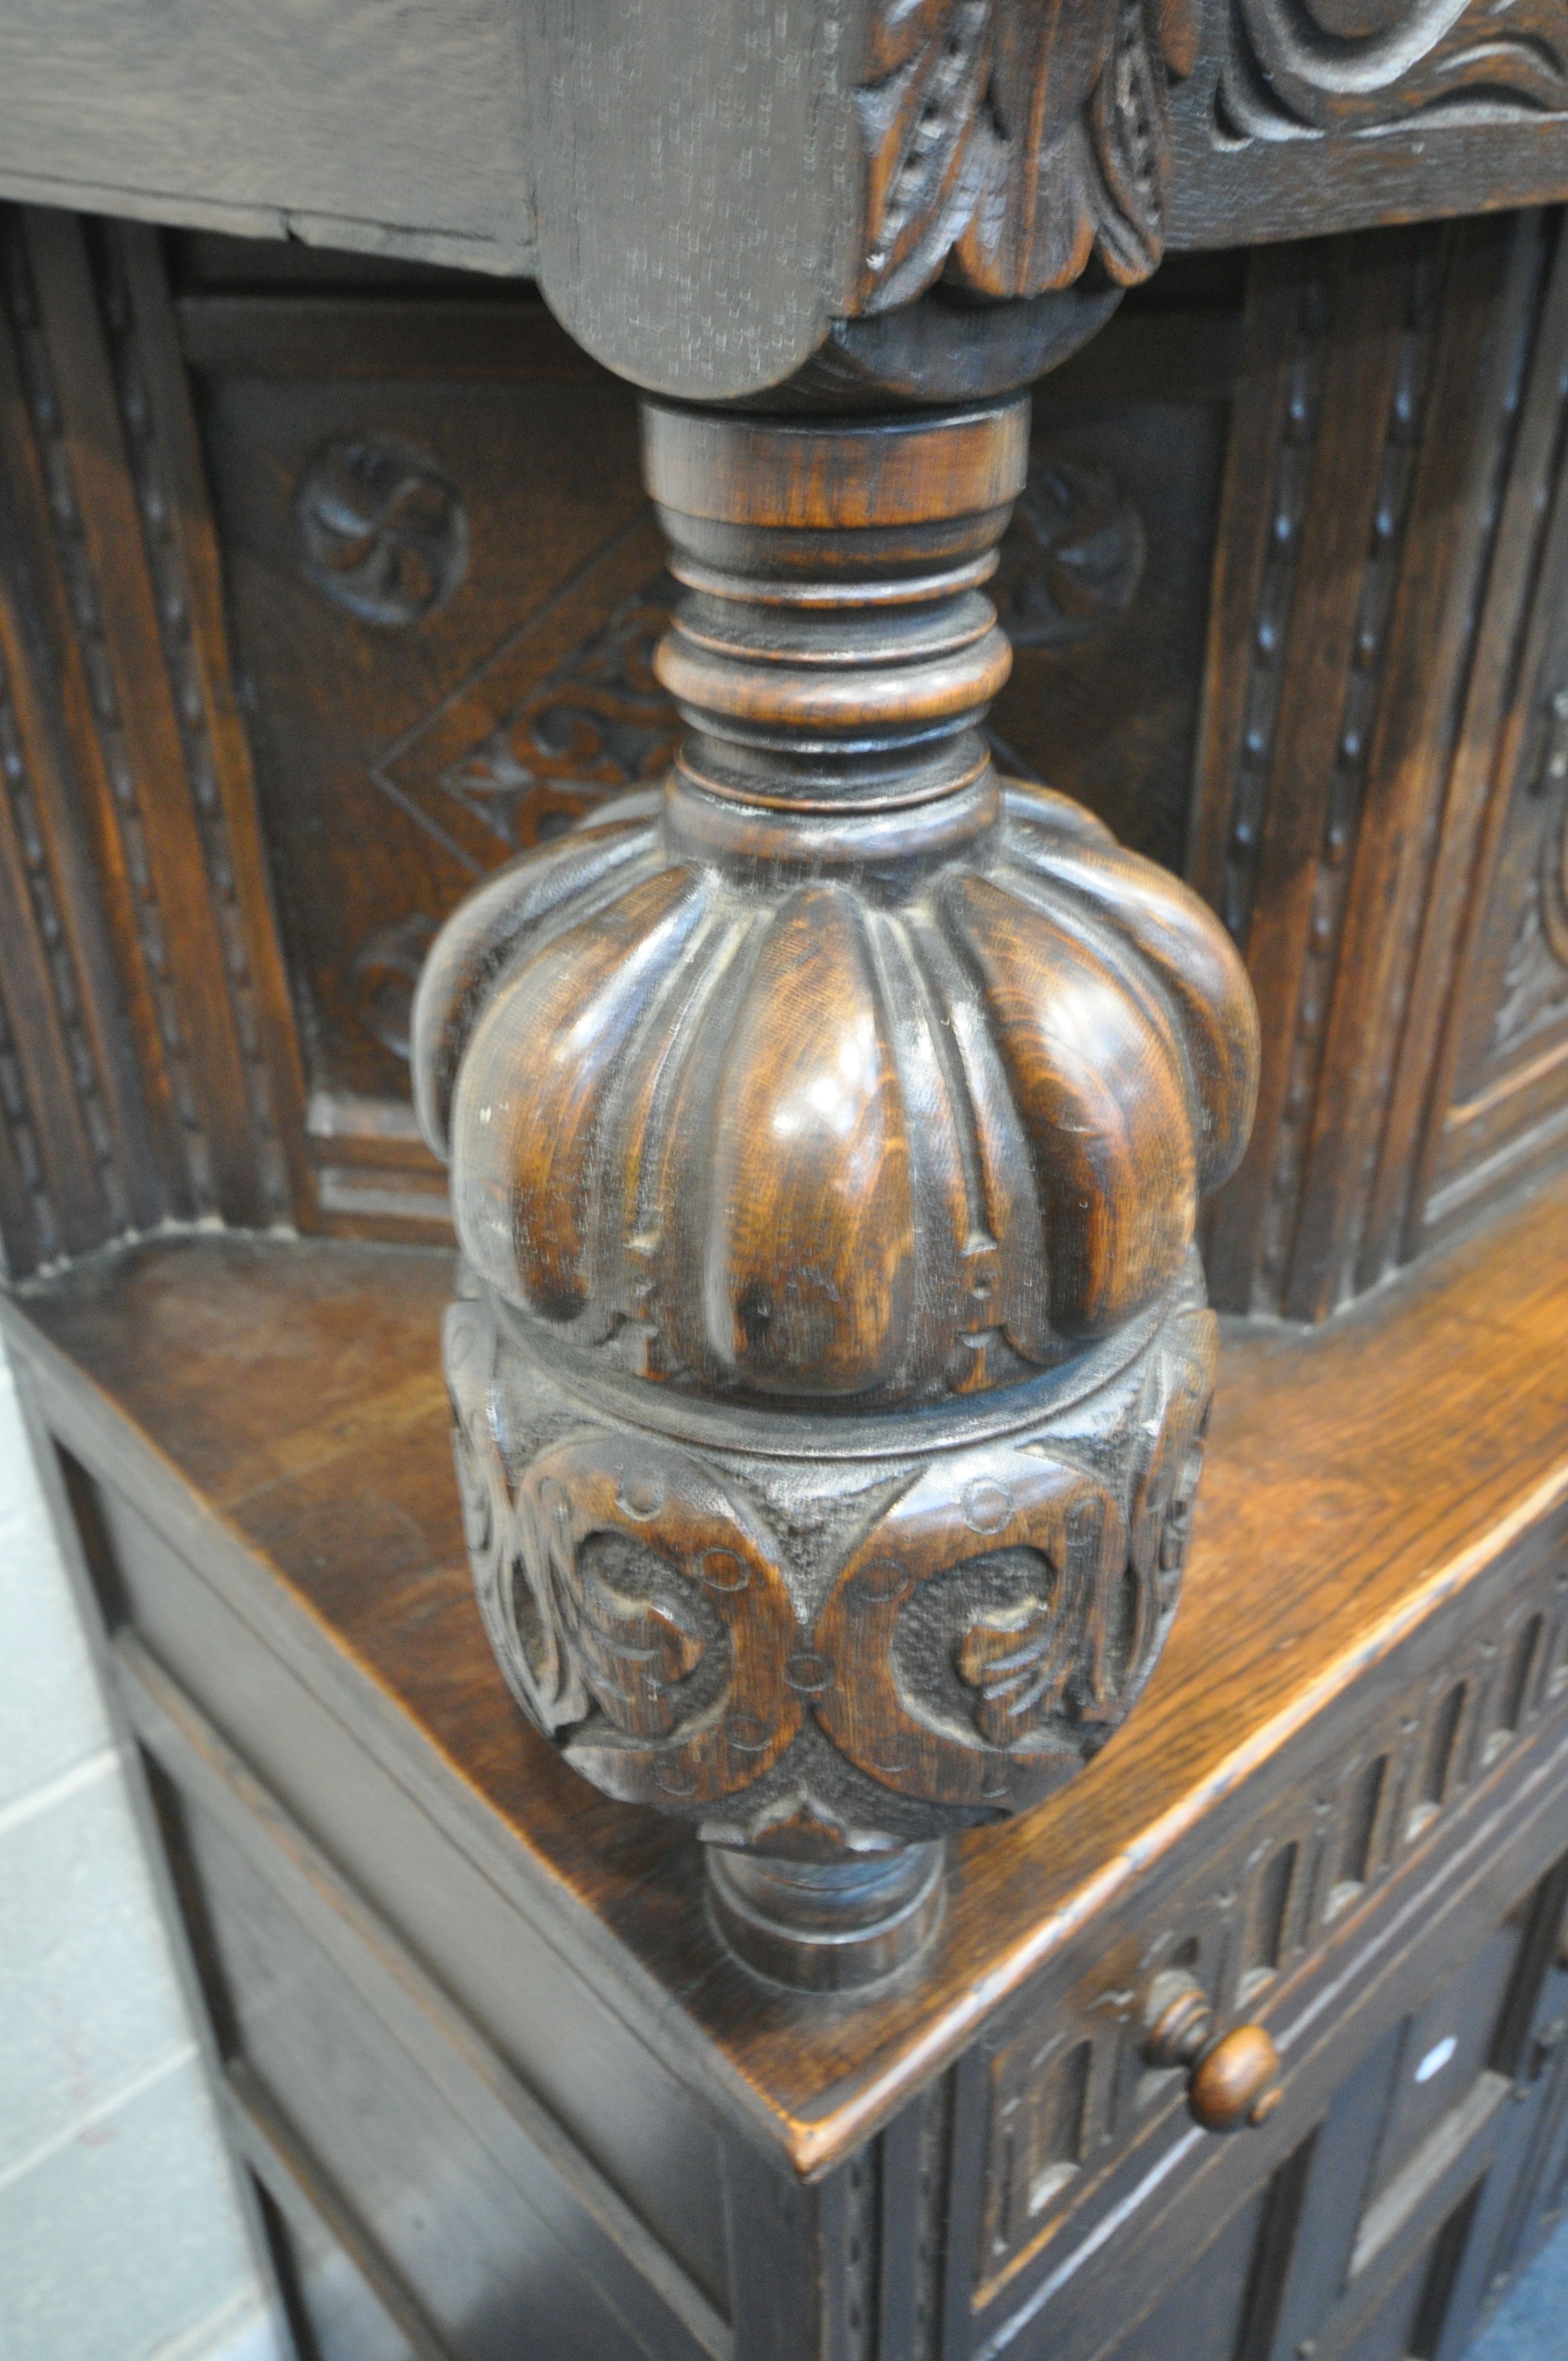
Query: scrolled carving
[1073, 558]
[1304, 66]
[382, 531]
[1172, 1423]
[1009, 143]
[385, 970]
[594, 726]
[971, 1613]
[689, 1625]
[1534, 994]
[640, 1615]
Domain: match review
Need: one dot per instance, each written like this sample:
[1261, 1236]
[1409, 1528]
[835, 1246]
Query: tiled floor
[1532, 2322]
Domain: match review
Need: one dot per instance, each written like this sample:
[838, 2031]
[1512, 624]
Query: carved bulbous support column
[825, 1141]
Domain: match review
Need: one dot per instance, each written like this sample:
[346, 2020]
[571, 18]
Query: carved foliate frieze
[1008, 143]
[1297, 67]
[836, 1655]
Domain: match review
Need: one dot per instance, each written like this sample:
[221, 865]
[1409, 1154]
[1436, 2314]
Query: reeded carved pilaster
[825, 1138]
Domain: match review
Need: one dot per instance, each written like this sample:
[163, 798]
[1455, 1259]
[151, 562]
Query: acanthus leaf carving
[1008, 145]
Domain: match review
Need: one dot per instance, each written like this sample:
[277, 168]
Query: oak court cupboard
[783, 1141]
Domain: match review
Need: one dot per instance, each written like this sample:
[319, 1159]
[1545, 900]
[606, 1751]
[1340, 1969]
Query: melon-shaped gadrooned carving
[803, 1140]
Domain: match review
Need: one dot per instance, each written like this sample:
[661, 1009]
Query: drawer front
[1428, 1801]
[1381, 2209]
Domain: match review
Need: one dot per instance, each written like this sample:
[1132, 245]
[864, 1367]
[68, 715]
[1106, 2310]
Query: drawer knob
[1233, 2078]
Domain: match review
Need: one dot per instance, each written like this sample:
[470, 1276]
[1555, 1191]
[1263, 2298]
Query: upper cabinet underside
[702, 187]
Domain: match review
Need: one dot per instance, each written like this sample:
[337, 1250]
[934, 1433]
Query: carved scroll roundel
[974, 1615]
[647, 1618]
[382, 532]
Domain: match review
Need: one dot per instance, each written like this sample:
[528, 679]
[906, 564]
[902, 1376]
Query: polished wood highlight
[1369, 1528]
[1319, 1835]
[829, 1087]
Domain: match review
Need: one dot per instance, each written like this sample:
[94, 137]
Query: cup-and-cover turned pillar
[826, 1137]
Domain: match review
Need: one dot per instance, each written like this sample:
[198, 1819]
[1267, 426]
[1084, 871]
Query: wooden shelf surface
[1359, 1474]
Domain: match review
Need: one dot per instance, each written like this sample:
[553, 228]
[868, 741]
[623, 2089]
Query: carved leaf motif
[926, 155]
[1019, 1660]
[633, 1652]
[598, 724]
[1303, 66]
[1008, 141]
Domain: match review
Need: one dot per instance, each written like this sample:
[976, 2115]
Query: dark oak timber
[1369, 1529]
[1362, 1753]
[768, 661]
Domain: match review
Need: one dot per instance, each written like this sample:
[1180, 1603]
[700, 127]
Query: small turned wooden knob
[1236, 2081]
[1234, 2077]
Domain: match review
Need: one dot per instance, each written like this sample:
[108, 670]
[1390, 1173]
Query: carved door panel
[1205, 2314]
[1510, 1099]
[445, 586]
[1395, 2205]
[1103, 592]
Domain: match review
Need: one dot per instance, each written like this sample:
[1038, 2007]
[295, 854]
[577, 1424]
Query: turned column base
[827, 1925]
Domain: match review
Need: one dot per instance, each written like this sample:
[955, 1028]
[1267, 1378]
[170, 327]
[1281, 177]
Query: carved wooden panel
[1313, 112]
[443, 580]
[1500, 1099]
[1104, 578]
[1296, 66]
[1383, 585]
[1074, 2116]
[446, 587]
[147, 1067]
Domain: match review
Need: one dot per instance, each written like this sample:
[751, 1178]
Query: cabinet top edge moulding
[701, 233]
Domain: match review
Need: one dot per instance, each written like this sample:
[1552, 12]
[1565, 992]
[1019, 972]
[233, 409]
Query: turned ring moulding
[827, 1134]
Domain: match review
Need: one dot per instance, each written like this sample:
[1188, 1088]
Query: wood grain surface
[1360, 1477]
